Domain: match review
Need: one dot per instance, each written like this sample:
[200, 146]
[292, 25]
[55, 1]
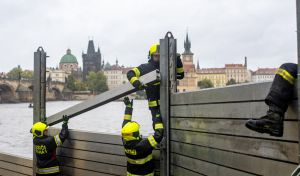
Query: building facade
[264, 74]
[56, 75]
[189, 82]
[116, 75]
[92, 60]
[68, 62]
[238, 72]
[216, 75]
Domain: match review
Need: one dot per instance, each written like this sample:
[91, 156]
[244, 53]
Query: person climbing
[45, 147]
[280, 94]
[137, 149]
[152, 91]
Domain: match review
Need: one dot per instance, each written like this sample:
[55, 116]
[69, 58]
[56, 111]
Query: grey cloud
[221, 31]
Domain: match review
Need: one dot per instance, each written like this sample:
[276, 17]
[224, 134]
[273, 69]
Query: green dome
[68, 58]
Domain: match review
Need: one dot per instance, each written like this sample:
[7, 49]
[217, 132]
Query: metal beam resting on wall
[102, 99]
[167, 85]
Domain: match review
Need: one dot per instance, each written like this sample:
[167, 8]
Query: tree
[28, 74]
[79, 85]
[70, 83]
[205, 83]
[15, 73]
[231, 82]
[97, 82]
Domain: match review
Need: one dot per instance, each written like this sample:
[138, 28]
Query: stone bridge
[14, 90]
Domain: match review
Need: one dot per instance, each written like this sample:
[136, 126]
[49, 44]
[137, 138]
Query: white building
[56, 75]
[264, 74]
[116, 75]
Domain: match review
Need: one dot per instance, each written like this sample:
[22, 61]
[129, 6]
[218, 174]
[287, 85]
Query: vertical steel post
[298, 53]
[39, 91]
[167, 85]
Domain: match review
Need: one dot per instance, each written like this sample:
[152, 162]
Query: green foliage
[71, 83]
[18, 73]
[231, 82]
[15, 73]
[28, 74]
[80, 86]
[75, 84]
[205, 83]
[97, 82]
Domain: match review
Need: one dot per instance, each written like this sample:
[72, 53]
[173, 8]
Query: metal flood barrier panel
[209, 137]
[11, 165]
[97, 154]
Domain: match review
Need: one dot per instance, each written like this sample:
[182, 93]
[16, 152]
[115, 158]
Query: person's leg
[281, 93]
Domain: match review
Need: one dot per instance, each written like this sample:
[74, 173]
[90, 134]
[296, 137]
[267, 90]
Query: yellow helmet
[131, 131]
[38, 129]
[153, 49]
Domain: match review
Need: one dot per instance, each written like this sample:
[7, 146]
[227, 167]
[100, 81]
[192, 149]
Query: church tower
[91, 60]
[187, 56]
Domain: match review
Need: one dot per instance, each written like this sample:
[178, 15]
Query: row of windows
[235, 71]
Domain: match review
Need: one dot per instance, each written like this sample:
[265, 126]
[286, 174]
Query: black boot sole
[263, 130]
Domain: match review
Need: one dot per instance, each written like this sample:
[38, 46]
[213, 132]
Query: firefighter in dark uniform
[45, 147]
[153, 91]
[138, 150]
[280, 94]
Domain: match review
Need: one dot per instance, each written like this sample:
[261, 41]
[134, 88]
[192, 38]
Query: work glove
[65, 119]
[127, 102]
[139, 85]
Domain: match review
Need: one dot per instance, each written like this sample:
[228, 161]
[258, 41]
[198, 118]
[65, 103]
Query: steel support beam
[102, 99]
[167, 85]
[297, 170]
[298, 54]
[39, 90]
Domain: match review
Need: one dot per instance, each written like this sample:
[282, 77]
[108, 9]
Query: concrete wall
[209, 137]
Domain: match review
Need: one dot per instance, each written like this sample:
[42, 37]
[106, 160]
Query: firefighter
[153, 91]
[45, 147]
[280, 94]
[138, 150]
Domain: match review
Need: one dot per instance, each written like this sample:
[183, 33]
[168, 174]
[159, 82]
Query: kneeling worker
[138, 150]
[45, 147]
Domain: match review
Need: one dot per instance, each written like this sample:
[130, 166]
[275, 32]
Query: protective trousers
[282, 89]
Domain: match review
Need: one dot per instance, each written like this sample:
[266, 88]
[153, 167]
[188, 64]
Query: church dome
[68, 58]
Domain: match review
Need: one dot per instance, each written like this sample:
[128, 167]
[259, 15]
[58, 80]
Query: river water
[16, 121]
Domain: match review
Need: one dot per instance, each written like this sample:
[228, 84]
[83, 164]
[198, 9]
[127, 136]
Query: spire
[91, 47]
[68, 51]
[98, 51]
[198, 66]
[246, 62]
[117, 62]
[187, 45]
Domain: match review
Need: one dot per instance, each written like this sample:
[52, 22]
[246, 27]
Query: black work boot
[272, 123]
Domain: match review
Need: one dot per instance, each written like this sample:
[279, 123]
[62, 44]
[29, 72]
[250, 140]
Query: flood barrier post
[298, 54]
[39, 91]
[167, 85]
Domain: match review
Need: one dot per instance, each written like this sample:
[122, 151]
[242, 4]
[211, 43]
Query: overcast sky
[222, 31]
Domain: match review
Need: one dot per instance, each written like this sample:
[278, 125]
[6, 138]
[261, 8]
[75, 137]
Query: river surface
[16, 121]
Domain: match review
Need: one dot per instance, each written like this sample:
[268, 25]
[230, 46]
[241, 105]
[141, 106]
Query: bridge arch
[7, 93]
[57, 93]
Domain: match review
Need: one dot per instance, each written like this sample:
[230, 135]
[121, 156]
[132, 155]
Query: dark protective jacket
[45, 150]
[153, 91]
[282, 89]
[139, 152]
